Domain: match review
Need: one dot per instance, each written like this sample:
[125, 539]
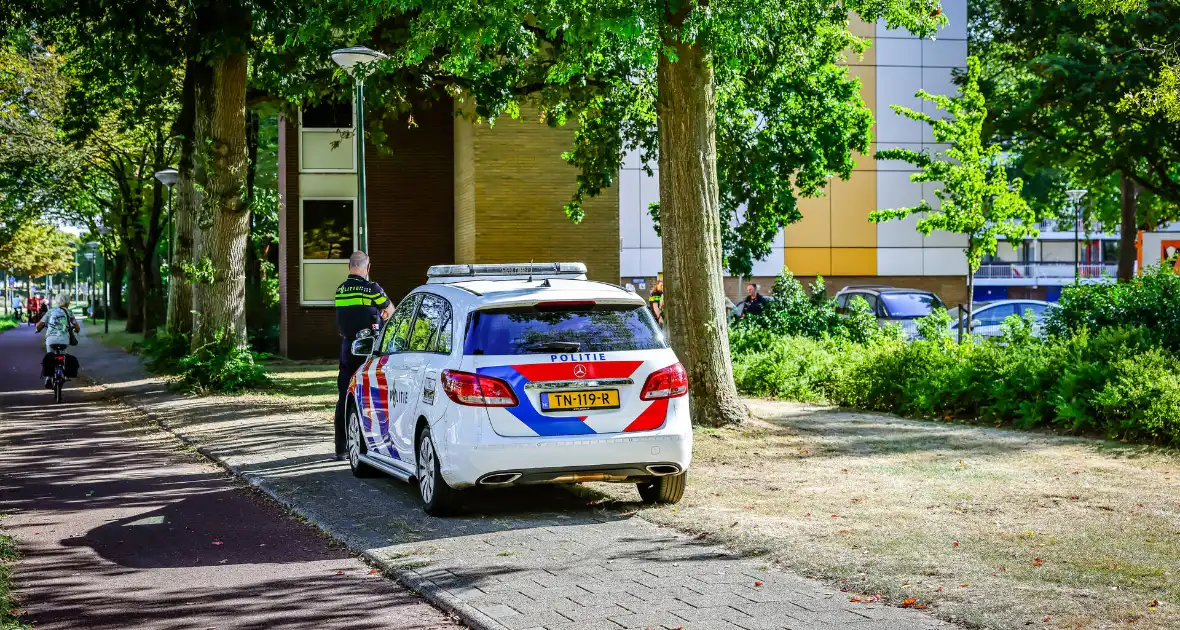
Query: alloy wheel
[426, 468]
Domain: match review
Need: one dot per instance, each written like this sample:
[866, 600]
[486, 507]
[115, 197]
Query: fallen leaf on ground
[1038, 562]
[1047, 618]
[956, 543]
[340, 573]
[909, 602]
[218, 542]
[757, 583]
[373, 571]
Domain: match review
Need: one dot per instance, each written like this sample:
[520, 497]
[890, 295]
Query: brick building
[444, 191]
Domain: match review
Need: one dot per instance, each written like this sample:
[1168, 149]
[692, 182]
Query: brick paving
[520, 559]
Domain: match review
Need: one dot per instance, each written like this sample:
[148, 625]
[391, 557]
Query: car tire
[356, 445]
[438, 498]
[664, 490]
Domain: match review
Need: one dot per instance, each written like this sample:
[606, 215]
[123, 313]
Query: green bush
[1151, 300]
[794, 312]
[164, 351]
[222, 365]
[1115, 382]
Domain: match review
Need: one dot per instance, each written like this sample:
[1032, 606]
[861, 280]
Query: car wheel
[438, 498]
[356, 446]
[666, 489]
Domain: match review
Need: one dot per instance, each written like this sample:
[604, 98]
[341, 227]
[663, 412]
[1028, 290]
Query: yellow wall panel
[854, 261]
[808, 261]
[859, 27]
[815, 228]
[852, 201]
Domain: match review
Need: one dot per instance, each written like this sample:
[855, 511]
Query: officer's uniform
[358, 302]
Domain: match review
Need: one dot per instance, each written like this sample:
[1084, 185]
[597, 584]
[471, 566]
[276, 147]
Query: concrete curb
[410, 578]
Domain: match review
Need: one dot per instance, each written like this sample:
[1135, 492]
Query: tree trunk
[255, 315]
[690, 223]
[135, 297]
[223, 221]
[118, 271]
[1129, 228]
[179, 319]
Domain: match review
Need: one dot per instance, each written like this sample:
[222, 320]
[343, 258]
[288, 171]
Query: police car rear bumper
[615, 457]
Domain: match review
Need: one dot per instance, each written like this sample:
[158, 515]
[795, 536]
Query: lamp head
[1075, 195]
[347, 58]
[168, 176]
[92, 244]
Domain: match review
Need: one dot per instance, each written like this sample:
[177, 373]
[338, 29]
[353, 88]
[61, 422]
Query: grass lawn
[996, 528]
[9, 610]
[117, 338]
[8, 323]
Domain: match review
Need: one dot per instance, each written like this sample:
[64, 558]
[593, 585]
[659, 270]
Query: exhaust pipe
[499, 479]
[661, 470]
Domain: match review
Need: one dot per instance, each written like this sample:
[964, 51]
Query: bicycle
[58, 378]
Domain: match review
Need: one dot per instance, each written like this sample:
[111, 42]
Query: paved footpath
[527, 558]
[120, 528]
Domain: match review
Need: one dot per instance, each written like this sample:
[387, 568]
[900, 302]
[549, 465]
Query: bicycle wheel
[57, 390]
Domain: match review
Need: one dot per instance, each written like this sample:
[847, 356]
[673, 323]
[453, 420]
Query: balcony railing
[1057, 270]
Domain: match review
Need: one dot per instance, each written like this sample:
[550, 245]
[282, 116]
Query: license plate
[574, 401]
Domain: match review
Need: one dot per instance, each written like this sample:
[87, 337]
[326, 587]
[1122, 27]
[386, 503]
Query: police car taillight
[670, 382]
[474, 390]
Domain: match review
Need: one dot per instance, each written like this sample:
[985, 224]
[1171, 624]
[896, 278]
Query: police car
[496, 375]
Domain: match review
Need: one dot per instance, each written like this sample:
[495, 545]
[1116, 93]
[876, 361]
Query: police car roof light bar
[438, 274]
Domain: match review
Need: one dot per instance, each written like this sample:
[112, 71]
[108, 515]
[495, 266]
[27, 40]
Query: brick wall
[510, 187]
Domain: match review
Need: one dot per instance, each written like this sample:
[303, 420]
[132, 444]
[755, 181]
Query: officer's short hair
[358, 259]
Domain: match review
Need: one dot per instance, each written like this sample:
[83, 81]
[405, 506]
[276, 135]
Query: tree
[740, 103]
[37, 249]
[977, 198]
[1059, 80]
[1164, 96]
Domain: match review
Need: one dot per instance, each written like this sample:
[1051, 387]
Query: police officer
[359, 301]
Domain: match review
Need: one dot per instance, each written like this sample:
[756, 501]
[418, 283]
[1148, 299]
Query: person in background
[655, 301]
[754, 301]
[17, 308]
[359, 302]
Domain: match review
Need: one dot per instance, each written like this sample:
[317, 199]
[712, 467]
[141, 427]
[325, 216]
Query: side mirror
[363, 346]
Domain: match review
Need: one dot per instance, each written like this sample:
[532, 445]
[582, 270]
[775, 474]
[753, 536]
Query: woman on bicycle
[57, 323]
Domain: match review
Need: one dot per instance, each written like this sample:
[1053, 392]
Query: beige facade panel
[327, 185]
[852, 201]
[327, 151]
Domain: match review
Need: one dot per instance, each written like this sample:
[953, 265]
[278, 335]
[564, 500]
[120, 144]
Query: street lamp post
[106, 283]
[1075, 196]
[355, 61]
[90, 255]
[169, 177]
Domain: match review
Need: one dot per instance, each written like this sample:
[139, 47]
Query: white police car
[494, 375]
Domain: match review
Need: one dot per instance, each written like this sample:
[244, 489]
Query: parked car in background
[989, 315]
[891, 304]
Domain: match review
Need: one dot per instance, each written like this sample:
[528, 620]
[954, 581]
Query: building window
[327, 142]
[327, 229]
[328, 116]
[326, 240]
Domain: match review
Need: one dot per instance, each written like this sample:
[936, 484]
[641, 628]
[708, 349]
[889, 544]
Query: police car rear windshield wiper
[554, 346]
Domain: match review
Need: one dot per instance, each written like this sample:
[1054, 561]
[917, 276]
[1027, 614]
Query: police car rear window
[532, 330]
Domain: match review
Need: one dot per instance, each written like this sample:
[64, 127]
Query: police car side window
[442, 341]
[431, 314]
[397, 331]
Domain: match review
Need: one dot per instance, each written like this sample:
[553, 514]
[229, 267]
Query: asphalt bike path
[528, 558]
[121, 528]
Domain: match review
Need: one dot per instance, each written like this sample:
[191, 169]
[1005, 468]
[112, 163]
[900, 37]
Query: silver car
[989, 315]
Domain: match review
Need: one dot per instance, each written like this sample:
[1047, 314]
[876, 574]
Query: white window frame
[338, 131]
[313, 261]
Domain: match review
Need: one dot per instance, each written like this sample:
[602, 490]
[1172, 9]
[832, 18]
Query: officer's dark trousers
[348, 366]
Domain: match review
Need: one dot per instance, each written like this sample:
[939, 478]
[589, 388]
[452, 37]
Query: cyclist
[57, 323]
[17, 307]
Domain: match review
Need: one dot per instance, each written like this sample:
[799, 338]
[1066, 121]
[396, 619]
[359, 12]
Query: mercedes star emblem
[580, 371]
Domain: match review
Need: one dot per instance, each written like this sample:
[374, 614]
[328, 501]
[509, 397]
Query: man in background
[754, 302]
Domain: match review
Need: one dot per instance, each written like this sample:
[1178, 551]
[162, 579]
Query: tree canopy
[37, 249]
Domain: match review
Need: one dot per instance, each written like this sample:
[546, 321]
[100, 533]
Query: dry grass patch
[995, 528]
